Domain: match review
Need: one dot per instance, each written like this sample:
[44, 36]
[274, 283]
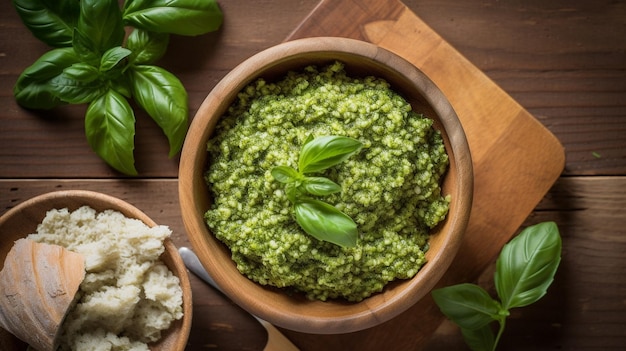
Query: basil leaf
[82, 72]
[183, 17]
[33, 89]
[164, 98]
[285, 174]
[467, 305]
[110, 131]
[147, 47]
[100, 26]
[308, 139]
[320, 186]
[480, 339]
[120, 86]
[74, 91]
[51, 21]
[527, 265]
[326, 151]
[293, 192]
[84, 47]
[325, 222]
[112, 57]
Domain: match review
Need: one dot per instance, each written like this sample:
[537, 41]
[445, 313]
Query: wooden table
[564, 61]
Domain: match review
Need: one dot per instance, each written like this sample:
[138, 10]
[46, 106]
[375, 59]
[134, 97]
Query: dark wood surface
[515, 161]
[563, 61]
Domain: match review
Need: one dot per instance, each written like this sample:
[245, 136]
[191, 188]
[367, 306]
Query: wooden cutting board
[516, 159]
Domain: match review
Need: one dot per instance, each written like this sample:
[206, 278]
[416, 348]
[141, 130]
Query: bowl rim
[193, 208]
[175, 337]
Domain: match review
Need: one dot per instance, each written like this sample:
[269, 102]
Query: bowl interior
[295, 311]
[23, 219]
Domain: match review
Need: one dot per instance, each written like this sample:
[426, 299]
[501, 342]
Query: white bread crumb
[128, 296]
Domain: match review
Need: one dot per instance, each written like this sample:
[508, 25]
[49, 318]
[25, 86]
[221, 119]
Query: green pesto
[390, 188]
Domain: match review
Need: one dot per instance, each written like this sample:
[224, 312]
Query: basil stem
[317, 218]
[90, 65]
[524, 270]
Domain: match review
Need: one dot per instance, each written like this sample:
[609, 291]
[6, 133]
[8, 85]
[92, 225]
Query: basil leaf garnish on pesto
[326, 151]
[325, 222]
[391, 187]
[285, 174]
[320, 186]
[317, 218]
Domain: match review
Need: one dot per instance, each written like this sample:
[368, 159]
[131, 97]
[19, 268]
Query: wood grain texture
[516, 160]
[294, 311]
[222, 324]
[24, 219]
[199, 62]
[564, 61]
[584, 307]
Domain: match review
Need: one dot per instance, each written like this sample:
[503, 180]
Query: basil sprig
[92, 63]
[524, 271]
[318, 218]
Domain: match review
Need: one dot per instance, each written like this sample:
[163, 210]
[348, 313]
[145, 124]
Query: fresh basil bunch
[318, 218]
[92, 63]
[524, 271]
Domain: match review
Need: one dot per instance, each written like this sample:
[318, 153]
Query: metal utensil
[276, 341]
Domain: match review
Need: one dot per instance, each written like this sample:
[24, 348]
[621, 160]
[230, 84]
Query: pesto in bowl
[391, 188]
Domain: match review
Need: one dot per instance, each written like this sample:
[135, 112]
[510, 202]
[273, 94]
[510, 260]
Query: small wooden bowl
[295, 312]
[23, 219]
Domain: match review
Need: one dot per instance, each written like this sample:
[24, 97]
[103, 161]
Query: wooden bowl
[295, 312]
[23, 219]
